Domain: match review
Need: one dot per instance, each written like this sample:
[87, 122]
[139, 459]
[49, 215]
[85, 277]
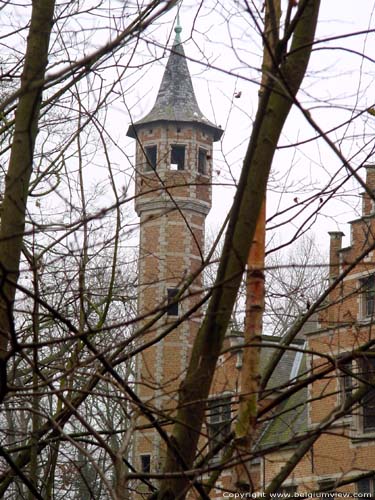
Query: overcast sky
[225, 49]
[339, 85]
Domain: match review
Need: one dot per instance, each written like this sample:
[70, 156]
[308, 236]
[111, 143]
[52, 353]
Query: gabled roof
[176, 101]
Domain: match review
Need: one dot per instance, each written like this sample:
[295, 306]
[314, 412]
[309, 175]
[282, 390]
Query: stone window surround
[358, 433]
[366, 288]
[202, 162]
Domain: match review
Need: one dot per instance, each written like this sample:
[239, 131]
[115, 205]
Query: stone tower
[173, 197]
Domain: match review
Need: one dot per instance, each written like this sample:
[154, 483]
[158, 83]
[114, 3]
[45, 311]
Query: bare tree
[68, 278]
[273, 110]
[296, 277]
[69, 323]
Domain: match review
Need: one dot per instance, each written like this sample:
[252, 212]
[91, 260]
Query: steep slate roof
[281, 376]
[282, 372]
[176, 101]
[290, 419]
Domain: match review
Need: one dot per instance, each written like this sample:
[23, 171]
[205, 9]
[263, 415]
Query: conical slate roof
[176, 101]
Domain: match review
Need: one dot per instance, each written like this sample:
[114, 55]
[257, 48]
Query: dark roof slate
[281, 374]
[290, 419]
[270, 343]
[176, 101]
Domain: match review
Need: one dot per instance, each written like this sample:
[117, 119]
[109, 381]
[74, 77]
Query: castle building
[340, 356]
[174, 148]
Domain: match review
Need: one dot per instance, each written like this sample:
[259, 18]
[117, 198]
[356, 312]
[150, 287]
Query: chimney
[368, 205]
[334, 257]
[334, 270]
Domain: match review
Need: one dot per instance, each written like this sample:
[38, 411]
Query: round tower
[173, 197]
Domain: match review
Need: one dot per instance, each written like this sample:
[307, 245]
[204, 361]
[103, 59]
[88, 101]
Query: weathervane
[178, 27]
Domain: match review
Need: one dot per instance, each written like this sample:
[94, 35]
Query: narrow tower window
[146, 463]
[172, 309]
[178, 157]
[151, 157]
[202, 161]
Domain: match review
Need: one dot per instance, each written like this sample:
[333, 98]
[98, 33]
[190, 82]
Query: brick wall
[172, 206]
[343, 451]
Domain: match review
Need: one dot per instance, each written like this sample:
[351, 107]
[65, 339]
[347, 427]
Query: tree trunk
[255, 290]
[250, 374]
[19, 171]
[274, 106]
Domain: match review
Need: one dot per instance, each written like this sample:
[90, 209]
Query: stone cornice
[166, 205]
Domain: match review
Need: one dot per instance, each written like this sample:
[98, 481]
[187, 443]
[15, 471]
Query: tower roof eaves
[205, 124]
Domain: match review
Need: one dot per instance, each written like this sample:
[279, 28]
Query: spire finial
[178, 28]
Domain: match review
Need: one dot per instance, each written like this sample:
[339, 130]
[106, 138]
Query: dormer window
[202, 161]
[177, 157]
[218, 421]
[151, 157]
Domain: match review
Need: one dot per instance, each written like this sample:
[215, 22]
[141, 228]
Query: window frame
[176, 160]
[366, 370]
[287, 491]
[221, 427]
[367, 301]
[202, 159]
[151, 160]
[328, 486]
[370, 488]
[346, 381]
